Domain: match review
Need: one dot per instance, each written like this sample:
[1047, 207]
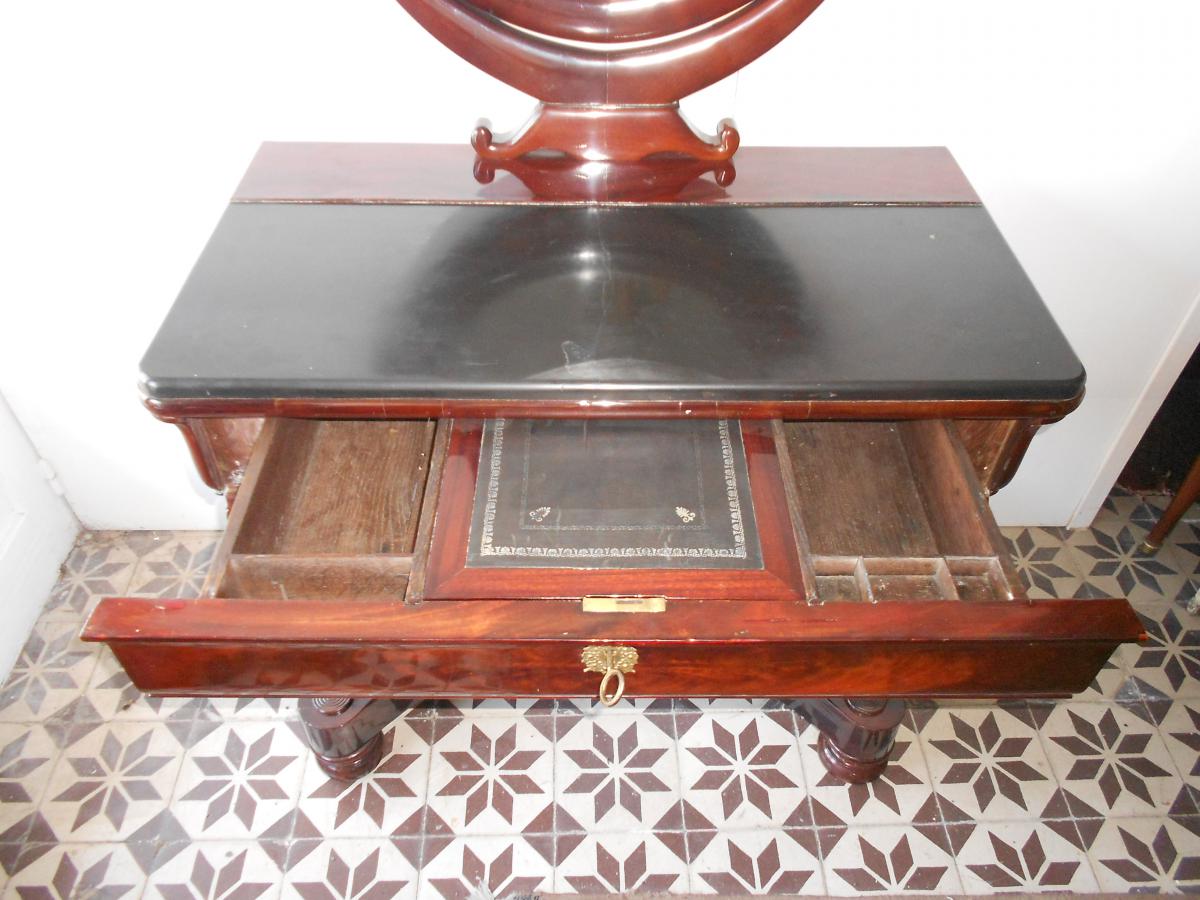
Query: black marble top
[629, 303]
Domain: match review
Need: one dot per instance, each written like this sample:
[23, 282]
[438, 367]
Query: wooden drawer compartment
[327, 510]
[892, 512]
[318, 588]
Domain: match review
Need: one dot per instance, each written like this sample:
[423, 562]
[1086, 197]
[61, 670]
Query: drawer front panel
[534, 648]
[932, 669]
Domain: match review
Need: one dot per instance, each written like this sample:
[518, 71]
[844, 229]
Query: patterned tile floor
[108, 793]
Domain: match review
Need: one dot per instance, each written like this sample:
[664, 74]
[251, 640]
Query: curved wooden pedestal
[346, 735]
[564, 178]
[617, 133]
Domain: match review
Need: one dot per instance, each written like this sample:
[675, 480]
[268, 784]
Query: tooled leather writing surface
[583, 493]
[609, 303]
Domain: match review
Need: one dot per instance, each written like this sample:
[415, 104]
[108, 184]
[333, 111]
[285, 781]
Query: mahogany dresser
[685, 434]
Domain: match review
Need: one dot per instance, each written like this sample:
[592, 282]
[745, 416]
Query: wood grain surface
[854, 481]
[340, 488]
[441, 173]
[531, 648]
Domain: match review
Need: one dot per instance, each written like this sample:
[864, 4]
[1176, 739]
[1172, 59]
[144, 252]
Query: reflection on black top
[609, 303]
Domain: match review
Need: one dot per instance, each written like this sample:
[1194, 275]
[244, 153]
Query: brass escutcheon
[613, 661]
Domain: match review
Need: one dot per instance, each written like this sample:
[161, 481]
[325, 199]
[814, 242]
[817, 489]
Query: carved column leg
[856, 735]
[345, 734]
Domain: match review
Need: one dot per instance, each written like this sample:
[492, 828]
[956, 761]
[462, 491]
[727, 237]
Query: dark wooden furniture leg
[1184, 498]
[856, 734]
[345, 734]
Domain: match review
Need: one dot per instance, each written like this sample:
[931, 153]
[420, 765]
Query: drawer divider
[218, 568]
[792, 496]
[429, 503]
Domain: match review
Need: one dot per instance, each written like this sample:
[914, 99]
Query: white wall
[36, 533]
[130, 122]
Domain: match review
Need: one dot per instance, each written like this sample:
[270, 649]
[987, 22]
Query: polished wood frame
[610, 76]
[173, 409]
[221, 445]
[449, 578]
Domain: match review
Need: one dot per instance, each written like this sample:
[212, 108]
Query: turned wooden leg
[346, 735]
[856, 735]
[1184, 497]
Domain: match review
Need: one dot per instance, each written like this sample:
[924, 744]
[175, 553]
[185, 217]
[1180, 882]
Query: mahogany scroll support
[220, 448]
[612, 133]
[857, 735]
[997, 446]
[346, 735]
[563, 178]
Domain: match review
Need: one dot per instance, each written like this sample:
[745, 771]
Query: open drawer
[324, 585]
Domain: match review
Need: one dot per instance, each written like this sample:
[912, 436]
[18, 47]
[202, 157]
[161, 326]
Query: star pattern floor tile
[108, 793]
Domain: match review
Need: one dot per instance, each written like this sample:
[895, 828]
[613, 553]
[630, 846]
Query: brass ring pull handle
[611, 661]
[611, 699]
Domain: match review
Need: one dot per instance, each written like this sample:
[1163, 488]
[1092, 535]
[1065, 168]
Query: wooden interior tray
[892, 512]
[321, 585]
[327, 509]
[845, 512]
